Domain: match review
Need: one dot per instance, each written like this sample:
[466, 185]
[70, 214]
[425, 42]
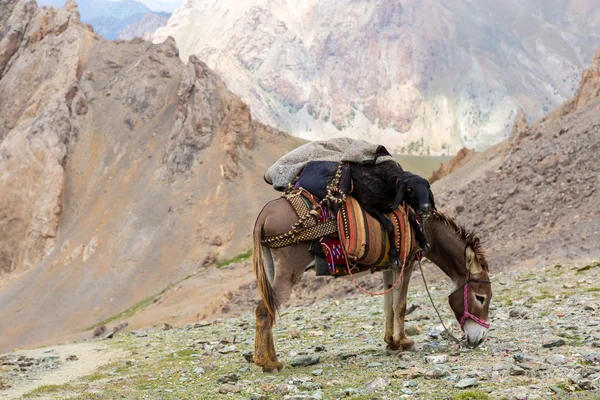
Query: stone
[556, 359]
[374, 364]
[591, 359]
[317, 372]
[166, 327]
[438, 371]
[586, 384]
[517, 371]
[378, 383]
[139, 333]
[441, 359]
[198, 371]
[351, 392]
[228, 388]
[305, 361]
[229, 378]
[412, 330]
[248, 356]
[466, 383]
[554, 343]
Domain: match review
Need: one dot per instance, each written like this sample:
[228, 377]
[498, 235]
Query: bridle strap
[466, 313]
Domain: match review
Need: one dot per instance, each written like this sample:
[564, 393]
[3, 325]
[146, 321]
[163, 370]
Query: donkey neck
[447, 248]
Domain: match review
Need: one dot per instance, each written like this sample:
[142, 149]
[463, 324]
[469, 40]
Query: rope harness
[467, 313]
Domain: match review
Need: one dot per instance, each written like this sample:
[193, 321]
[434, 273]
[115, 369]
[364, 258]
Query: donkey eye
[480, 299]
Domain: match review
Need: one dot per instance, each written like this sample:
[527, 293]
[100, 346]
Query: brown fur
[466, 235]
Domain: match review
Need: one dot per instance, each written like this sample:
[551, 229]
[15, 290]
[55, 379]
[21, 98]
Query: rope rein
[450, 335]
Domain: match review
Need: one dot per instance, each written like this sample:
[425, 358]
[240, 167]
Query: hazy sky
[154, 5]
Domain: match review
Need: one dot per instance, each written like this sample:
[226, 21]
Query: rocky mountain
[422, 77]
[534, 196]
[123, 19]
[144, 27]
[122, 170]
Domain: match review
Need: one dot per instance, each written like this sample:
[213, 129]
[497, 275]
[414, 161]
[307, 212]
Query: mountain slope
[424, 77]
[121, 170]
[534, 196]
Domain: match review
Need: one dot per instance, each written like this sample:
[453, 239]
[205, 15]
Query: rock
[517, 371]
[378, 383]
[248, 356]
[556, 359]
[595, 344]
[351, 392]
[466, 383]
[412, 330]
[514, 313]
[228, 388]
[198, 371]
[554, 343]
[201, 324]
[229, 378]
[256, 396]
[319, 348]
[438, 371]
[374, 364]
[586, 384]
[166, 327]
[591, 359]
[139, 333]
[589, 87]
[317, 372]
[305, 361]
[441, 359]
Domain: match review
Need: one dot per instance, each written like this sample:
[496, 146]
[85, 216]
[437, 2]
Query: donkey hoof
[406, 343]
[272, 366]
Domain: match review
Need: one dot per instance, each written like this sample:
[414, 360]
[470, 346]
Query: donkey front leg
[388, 302]
[400, 339]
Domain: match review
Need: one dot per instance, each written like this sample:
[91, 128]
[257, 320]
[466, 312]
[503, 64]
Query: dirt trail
[56, 365]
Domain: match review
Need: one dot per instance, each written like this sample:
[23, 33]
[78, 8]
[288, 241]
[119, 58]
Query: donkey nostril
[480, 299]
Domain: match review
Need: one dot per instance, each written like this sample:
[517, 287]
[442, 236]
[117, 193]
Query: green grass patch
[237, 259]
[471, 395]
[47, 389]
[587, 267]
[593, 289]
[96, 377]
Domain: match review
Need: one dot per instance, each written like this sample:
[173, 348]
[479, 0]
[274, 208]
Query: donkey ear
[473, 265]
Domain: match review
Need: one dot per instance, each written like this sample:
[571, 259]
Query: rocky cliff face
[122, 169]
[423, 77]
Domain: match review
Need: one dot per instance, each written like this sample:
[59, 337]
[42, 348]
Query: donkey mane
[466, 235]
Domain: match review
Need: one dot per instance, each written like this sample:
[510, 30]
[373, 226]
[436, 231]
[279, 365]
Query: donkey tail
[258, 265]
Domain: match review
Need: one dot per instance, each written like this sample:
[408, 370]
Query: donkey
[453, 249]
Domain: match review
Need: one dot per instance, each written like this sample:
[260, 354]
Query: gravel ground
[544, 343]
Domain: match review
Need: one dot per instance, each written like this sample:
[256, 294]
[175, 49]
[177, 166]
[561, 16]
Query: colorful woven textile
[365, 239]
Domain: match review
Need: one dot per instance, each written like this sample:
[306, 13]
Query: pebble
[317, 372]
[412, 330]
[517, 371]
[378, 383]
[305, 361]
[166, 327]
[374, 364]
[554, 343]
[229, 378]
[351, 391]
[442, 359]
[139, 333]
[198, 371]
[556, 359]
[228, 388]
[466, 383]
[438, 371]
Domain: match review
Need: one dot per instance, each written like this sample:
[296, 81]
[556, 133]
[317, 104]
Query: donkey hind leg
[388, 302]
[399, 307]
[291, 263]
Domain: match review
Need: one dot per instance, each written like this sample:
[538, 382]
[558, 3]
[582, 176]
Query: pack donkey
[456, 251]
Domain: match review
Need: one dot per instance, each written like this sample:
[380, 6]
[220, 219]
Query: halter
[467, 314]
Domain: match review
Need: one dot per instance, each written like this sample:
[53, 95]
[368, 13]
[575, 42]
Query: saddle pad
[362, 236]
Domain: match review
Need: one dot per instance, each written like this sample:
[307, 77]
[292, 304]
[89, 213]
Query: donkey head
[471, 300]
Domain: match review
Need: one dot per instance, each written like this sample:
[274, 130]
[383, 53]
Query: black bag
[316, 176]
